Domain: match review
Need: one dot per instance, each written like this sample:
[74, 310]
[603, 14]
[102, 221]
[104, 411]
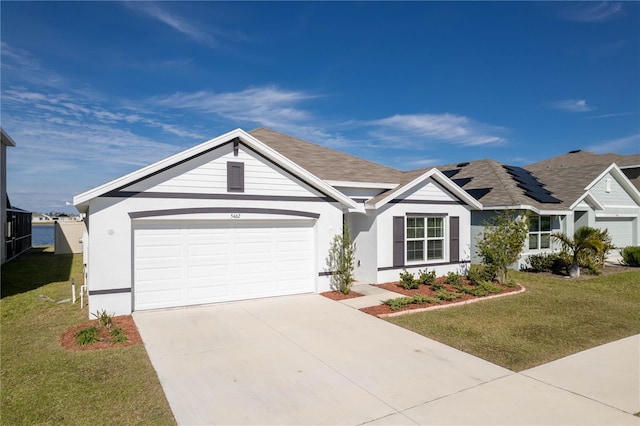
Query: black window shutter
[454, 239]
[398, 241]
[235, 176]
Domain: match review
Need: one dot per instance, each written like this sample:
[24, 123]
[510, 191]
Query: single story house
[252, 214]
[560, 194]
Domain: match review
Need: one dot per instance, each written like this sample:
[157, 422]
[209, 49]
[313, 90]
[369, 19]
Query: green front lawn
[42, 383]
[554, 318]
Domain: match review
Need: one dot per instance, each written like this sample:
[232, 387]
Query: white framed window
[539, 232]
[425, 238]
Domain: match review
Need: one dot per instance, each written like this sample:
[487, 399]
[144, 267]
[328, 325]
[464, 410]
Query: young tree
[585, 240]
[503, 241]
[340, 261]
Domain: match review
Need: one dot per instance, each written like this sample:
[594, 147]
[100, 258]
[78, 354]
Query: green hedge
[631, 256]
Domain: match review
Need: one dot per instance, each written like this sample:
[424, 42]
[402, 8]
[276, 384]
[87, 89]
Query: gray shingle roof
[326, 163]
[491, 184]
[487, 181]
[567, 175]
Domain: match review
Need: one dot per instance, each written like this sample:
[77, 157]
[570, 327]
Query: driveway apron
[309, 360]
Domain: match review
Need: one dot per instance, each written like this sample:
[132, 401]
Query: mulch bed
[68, 338]
[338, 295]
[426, 291]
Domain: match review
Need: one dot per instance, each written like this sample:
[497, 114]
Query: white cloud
[207, 36]
[592, 11]
[413, 129]
[616, 114]
[630, 144]
[572, 105]
[267, 106]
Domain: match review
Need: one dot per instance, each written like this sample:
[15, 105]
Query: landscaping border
[448, 305]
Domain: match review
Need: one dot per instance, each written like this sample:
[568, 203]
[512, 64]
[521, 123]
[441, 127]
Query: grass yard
[42, 383]
[554, 318]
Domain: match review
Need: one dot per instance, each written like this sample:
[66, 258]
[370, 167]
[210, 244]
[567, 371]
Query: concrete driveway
[310, 360]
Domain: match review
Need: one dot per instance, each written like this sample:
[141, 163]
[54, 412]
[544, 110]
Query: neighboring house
[559, 195]
[598, 189]
[15, 236]
[249, 215]
[500, 187]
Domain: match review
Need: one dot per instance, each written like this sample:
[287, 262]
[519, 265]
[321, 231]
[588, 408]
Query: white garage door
[191, 263]
[620, 229]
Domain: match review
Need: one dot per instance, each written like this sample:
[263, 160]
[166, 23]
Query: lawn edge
[450, 305]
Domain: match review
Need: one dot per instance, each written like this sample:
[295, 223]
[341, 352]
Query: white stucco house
[252, 214]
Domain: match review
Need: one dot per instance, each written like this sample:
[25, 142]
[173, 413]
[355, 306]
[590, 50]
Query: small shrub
[446, 295]
[401, 302]
[489, 287]
[104, 318]
[420, 299]
[87, 336]
[436, 285]
[631, 256]
[118, 335]
[426, 277]
[398, 302]
[453, 278]
[561, 262]
[408, 281]
[557, 263]
[476, 291]
[479, 273]
[341, 260]
[542, 262]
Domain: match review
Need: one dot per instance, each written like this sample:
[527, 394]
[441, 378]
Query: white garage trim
[214, 210]
[182, 263]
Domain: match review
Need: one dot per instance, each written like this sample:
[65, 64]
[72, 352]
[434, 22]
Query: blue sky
[93, 90]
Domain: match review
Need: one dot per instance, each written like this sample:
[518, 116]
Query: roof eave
[81, 201]
[6, 139]
[439, 177]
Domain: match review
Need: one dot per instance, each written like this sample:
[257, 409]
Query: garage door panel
[162, 252]
[254, 248]
[215, 249]
[208, 270]
[158, 274]
[158, 297]
[221, 261]
[207, 294]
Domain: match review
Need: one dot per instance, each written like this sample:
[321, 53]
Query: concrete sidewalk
[596, 386]
[373, 296]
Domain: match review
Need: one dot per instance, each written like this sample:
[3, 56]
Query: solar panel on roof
[542, 197]
[462, 181]
[478, 193]
[532, 186]
[449, 173]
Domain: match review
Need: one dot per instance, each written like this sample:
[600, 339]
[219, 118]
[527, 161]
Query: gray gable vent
[235, 176]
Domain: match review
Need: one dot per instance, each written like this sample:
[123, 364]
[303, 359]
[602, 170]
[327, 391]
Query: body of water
[42, 235]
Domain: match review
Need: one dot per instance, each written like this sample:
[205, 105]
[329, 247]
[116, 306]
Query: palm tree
[584, 239]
